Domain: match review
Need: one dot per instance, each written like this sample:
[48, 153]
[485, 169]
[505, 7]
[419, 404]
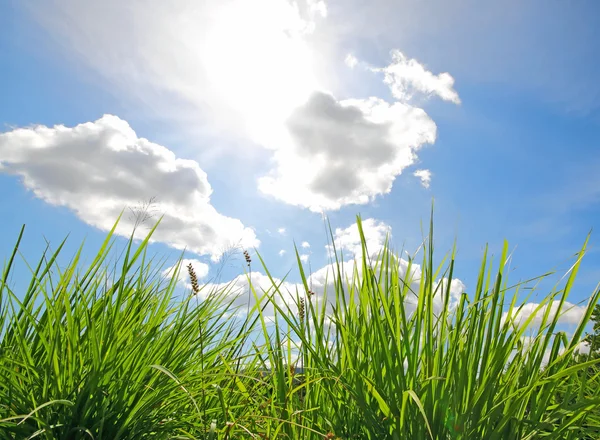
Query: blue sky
[288, 111]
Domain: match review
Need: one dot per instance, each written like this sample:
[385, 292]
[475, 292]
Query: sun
[258, 61]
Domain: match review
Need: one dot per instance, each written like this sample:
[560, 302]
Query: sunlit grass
[93, 352]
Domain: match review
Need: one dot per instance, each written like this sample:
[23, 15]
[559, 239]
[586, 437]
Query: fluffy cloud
[321, 282]
[457, 288]
[407, 77]
[424, 176]
[345, 152]
[99, 168]
[528, 341]
[570, 313]
[282, 252]
[348, 239]
[201, 269]
[238, 291]
[255, 70]
[342, 152]
[305, 244]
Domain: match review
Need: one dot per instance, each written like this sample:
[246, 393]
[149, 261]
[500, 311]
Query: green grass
[111, 352]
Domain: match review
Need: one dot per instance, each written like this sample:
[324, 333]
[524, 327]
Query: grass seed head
[301, 309]
[193, 279]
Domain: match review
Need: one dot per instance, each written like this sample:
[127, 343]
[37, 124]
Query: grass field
[97, 351]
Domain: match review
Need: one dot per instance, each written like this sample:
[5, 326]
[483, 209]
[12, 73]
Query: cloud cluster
[253, 69]
[343, 152]
[376, 233]
[321, 282]
[570, 313]
[98, 169]
[347, 240]
[242, 296]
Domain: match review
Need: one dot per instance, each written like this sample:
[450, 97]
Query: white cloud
[318, 7]
[200, 268]
[345, 152]
[342, 152]
[425, 176]
[351, 61]
[281, 231]
[570, 313]
[305, 244]
[407, 77]
[583, 347]
[282, 252]
[457, 288]
[304, 258]
[99, 168]
[348, 239]
[255, 70]
[321, 282]
[238, 291]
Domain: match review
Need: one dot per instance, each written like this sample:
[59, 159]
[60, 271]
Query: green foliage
[88, 353]
[589, 378]
[593, 339]
[93, 354]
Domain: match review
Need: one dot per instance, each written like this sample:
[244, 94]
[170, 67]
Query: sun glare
[258, 61]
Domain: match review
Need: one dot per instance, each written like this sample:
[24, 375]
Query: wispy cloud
[424, 176]
[351, 61]
[407, 77]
